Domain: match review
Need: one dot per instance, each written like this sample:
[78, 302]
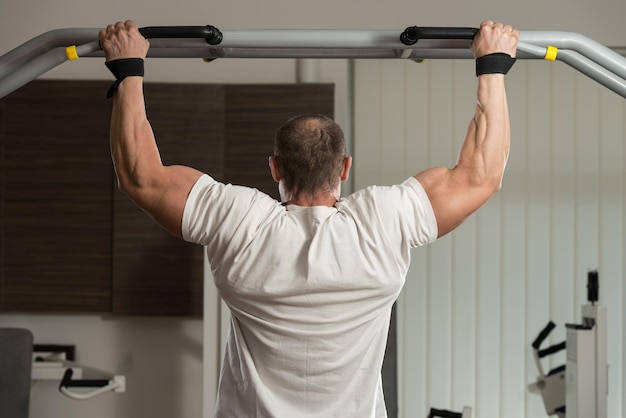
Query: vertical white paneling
[464, 289]
[621, 373]
[562, 274]
[414, 302]
[475, 300]
[392, 148]
[513, 237]
[440, 271]
[464, 250]
[488, 314]
[587, 181]
[538, 177]
[611, 190]
[211, 353]
[392, 142]
[367, 123]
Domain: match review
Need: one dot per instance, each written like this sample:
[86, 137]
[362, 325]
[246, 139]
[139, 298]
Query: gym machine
[76, 381]
[579, 388]
[443, 413]
[48, 50]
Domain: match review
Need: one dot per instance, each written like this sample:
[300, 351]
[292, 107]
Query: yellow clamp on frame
[551, 53]
[71, 53]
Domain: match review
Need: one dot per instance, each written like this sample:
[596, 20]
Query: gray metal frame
[39, 55]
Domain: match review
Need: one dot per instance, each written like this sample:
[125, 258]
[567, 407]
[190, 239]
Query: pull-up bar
[44, 52]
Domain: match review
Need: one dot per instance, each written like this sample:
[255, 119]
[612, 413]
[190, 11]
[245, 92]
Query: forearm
[486, 148]
[133, 147]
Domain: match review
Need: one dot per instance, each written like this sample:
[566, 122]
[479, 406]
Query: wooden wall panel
[253, 115]
[154, 272]
[70, 241]
[56, 237]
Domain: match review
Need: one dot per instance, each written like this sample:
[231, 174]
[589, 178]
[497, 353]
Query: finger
[101, 37]
[132, 28]
[129, 24]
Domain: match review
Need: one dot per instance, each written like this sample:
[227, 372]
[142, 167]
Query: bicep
[452, 197]
[165, 195]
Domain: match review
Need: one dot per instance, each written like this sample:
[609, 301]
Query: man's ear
[274, 169]
[345, 171]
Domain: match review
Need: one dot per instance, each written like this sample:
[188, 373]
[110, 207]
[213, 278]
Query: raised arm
[458, 192]
[159, 190]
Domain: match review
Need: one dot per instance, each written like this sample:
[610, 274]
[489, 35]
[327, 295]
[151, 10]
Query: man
[310, 281]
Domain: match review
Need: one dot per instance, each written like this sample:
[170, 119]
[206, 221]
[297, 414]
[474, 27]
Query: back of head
[310, 150]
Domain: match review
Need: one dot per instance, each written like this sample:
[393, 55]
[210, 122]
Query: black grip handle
[443, 413]
[209, 33]
[67, 381]
[412, 34]
[543, 335]
[551, 350]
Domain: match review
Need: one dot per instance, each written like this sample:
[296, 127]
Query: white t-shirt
[310, 290]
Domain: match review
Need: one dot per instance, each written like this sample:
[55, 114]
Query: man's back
[310, 290]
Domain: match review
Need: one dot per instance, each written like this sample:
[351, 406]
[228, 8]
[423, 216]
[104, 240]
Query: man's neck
[318, 200]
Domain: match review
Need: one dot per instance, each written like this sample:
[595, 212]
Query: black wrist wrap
[496, 63]
[123, 68]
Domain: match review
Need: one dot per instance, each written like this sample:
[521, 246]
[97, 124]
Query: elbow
[493, 183]
[497, 187]
[123, 185]
[128, 188]
[124, 180]
[140, 185]
[128, 185]
[136, 192]
[496, 183]
[487, 181]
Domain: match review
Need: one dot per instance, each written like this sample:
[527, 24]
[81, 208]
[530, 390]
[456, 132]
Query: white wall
[141, 347]
[475, 300]
[160, 357]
